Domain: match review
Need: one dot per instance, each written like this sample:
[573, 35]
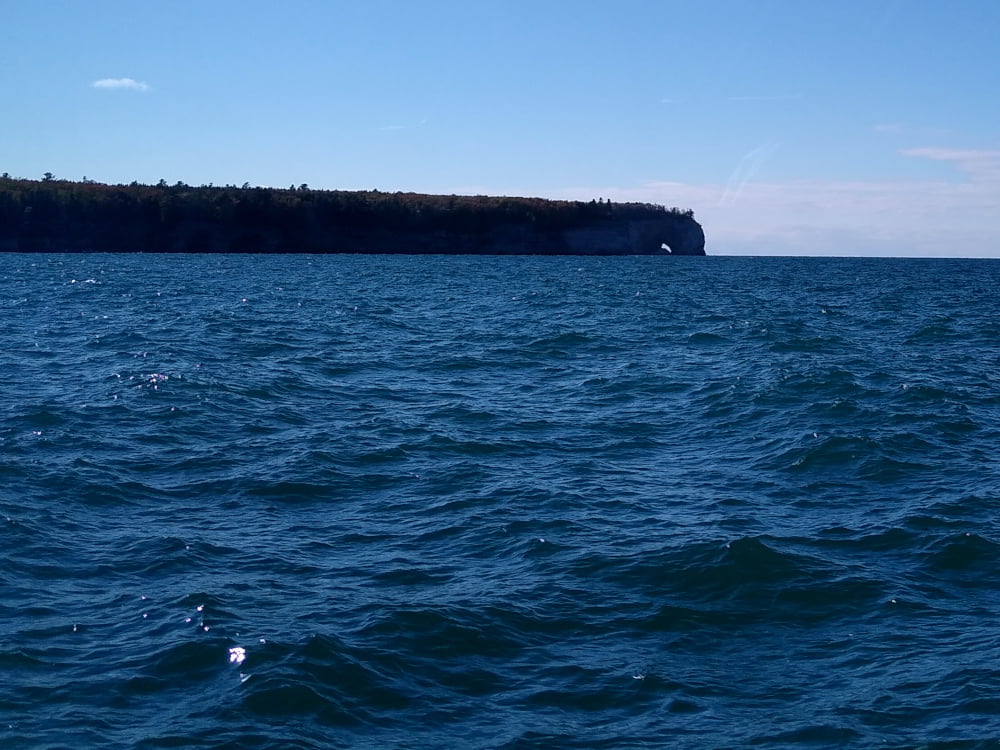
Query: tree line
[55, 214]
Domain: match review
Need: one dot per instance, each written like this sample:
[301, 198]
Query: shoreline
[62, 216]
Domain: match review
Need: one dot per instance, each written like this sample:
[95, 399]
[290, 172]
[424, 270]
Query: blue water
[484, 502]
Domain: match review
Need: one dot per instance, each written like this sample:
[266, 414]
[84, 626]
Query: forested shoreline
[53, 215]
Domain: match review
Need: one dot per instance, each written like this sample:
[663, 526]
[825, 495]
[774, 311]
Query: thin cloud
[978, 164]
[129, 84]
[420, 124]
[745, 169]
[888, 127]
[765, 98]
[820, 217]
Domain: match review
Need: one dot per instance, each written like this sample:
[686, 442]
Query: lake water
[498, 502]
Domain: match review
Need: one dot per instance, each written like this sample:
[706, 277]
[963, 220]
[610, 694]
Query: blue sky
[789, 126]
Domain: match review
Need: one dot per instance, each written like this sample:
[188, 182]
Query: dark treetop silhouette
[55, 215]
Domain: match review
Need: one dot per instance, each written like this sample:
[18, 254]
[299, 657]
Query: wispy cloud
[977, 164]
[765, 98]
[404, 127]
[826, 217]
[745, 169]
[888, 127]
[129, 84]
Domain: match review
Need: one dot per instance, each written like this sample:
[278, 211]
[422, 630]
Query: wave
[498, 502]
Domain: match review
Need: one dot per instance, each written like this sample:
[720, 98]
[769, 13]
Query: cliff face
[58, 216]
[680, 233]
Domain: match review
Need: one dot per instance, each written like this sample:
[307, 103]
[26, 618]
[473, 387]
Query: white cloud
[820, 217]
[120, 83]
[978, 165]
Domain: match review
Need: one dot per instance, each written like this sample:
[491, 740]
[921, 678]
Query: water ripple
[339, 501]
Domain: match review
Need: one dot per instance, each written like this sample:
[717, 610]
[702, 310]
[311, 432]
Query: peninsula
[52, 215]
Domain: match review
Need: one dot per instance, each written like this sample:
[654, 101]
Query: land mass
[52, 215]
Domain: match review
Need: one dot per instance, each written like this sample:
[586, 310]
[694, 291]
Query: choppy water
[478, 502]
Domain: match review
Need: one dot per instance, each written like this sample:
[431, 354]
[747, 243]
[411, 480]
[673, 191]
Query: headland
[52, 215]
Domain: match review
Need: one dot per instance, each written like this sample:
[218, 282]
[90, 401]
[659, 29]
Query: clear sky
[857, 127]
